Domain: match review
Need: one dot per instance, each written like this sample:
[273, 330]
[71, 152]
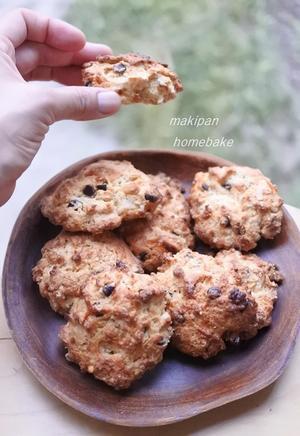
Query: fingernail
[108, 102]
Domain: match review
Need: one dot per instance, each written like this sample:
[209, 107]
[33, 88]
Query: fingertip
[109, 102]
[65, 36]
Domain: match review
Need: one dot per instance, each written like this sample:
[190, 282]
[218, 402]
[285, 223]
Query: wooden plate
[178, 388]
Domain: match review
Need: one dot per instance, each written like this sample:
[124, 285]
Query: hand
[35, 47]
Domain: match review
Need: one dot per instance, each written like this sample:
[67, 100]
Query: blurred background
[239, 61]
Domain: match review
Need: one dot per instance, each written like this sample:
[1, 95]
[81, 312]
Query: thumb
[82, 103]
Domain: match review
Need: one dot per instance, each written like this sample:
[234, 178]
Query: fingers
[65, 75]
[24, 24]
[81, 103]
[31, 55]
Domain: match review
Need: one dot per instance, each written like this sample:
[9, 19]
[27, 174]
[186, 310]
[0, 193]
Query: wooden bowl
[179, 387]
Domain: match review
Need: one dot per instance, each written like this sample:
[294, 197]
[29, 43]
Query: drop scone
[233, 207]
[167, 229]
[136, 78]
[120, 329]
[213, 301]
[70, 259]
[100, 197]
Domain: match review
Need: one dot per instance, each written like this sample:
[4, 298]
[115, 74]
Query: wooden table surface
[27, 409]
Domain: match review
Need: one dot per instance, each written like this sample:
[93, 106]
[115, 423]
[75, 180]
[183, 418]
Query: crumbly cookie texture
[70, 259]
[120, 329]
[136, 78]
[261, 278]
[100, 197]
[233, 207]
[167, 229]
[213, 301]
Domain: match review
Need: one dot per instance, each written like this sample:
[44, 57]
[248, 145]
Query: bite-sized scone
[120, 329]
[233, 207]
[167, 229]
[260, 277]
[136, 78]
[70, 259]
[100, 197]
[211, 303]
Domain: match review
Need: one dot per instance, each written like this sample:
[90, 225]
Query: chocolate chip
[178, 318]
[182, 190]
[88, 190]
[225, 221]
[102, 187]
[214, 292]
[119, 68]
[165, 65]
[237, 297]
[108, 289]
[142, 256]
[205, 187]
[227, 186]
[88, 83]
[150, 197]
[120, 264]
[75, 203]
[232, 338]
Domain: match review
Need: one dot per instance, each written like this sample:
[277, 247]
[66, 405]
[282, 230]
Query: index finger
[20, 25]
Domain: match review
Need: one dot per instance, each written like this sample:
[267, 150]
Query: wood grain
[180, 386]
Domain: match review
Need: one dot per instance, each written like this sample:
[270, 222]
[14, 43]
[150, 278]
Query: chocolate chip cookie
[119, 329]
[136, 78]
[100, 197]
[233, 207]
[167, 229]
[70, 259]
[214, 301]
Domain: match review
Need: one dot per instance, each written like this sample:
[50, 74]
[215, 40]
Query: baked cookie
[100, 197]
[261, 278]
[211, 303]
[70, 259]
[120, 328]
[136, 78]
[233, 207]
[167, 229]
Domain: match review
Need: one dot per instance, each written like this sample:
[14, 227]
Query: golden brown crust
[120, 329]
[136, 78]
[70, 259]
[260, 277]
[233, 207]
[100, 197]
[167, 229]
[212, 303]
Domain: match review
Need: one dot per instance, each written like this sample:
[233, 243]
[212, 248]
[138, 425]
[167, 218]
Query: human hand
[35, 47]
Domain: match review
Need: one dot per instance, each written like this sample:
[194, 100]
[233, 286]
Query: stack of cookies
[125, 273]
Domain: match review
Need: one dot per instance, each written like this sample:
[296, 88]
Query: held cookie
[136, 78]
[211, 303]
[100, 197]
[70, 259]
[120, 329]
[233, 207]
[167, 230]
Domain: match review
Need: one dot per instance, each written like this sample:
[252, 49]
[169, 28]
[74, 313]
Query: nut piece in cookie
[233, 207]
[119, 330]
[211, 303]
[100, 197]
[136, 78]
[166, 230]
[70, 259]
